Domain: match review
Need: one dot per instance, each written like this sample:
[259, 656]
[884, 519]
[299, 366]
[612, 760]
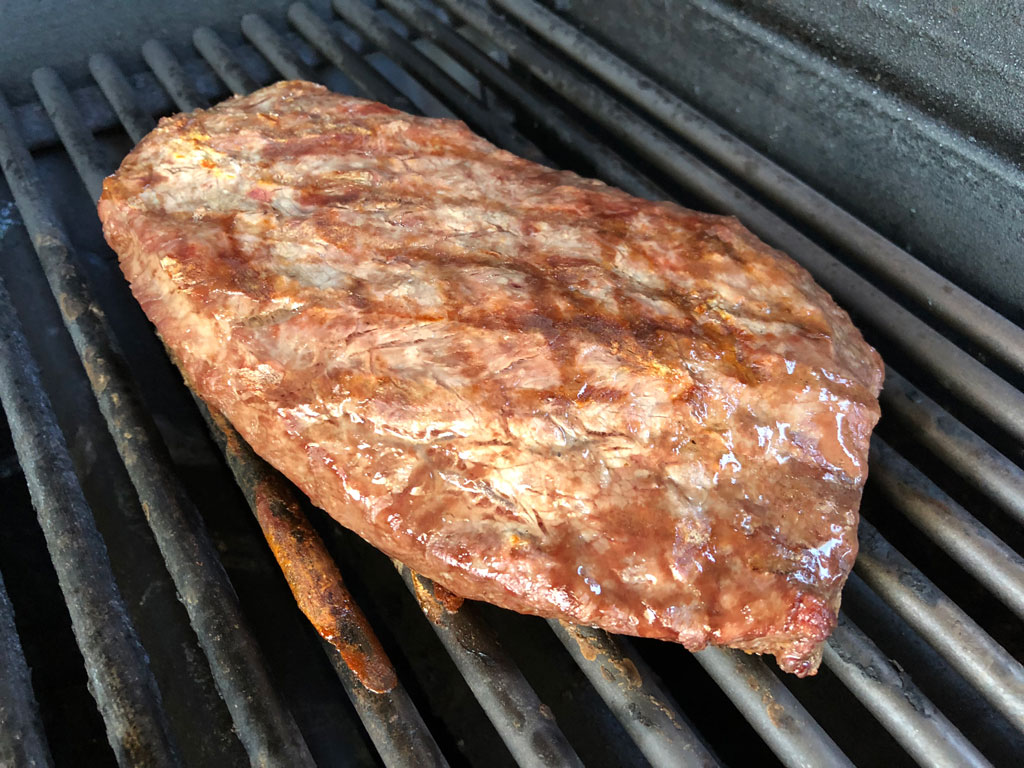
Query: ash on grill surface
[955, 670]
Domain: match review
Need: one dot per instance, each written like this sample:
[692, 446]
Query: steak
[528, 386]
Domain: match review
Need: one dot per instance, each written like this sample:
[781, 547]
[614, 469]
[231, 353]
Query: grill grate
[540, 100]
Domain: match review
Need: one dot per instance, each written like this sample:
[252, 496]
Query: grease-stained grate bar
[952, 304]
[958, 638]
[264, 725]
[22, 739]
[527, 728]
[121, 681]
[960, 448]
[81, 147]
[892, 697]
[224, 63]
[391, 720]
[979, 551]
[273, 48]
[172, 76]
[118, 91]
[944, 361]
[786, 726]
[627, 685]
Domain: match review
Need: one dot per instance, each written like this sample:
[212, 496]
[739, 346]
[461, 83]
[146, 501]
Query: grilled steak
[533, 388]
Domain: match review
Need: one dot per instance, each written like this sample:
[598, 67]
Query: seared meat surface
[533, 388]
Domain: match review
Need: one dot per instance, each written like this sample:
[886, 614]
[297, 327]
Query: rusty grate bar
[385, 709]
[891, 696]
[785, 725]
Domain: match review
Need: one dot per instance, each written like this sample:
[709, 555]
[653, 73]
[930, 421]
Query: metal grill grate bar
[524, 724]
[384, 707]
[430, 74]
[171, 76]
[370, 82]
[609, 165]
[979, 551]
[628, 687]
[270, 44]
[948, 301]
[73, 134]
[264, 724]
[121, 681]
[893, 698]
[943, 360]
[960, 448]
[219, 56]
[787, 728]
[118, 91]
[22, 739]
[965, 645]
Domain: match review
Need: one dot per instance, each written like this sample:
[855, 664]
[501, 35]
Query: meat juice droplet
[592, 584]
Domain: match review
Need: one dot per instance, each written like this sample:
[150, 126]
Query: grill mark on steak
[528, 386]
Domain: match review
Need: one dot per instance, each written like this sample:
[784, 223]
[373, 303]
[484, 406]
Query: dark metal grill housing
[150, 507]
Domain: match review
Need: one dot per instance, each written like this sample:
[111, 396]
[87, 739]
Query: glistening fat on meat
[533, 388]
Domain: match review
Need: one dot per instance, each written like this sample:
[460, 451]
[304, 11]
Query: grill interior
[112, 473]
